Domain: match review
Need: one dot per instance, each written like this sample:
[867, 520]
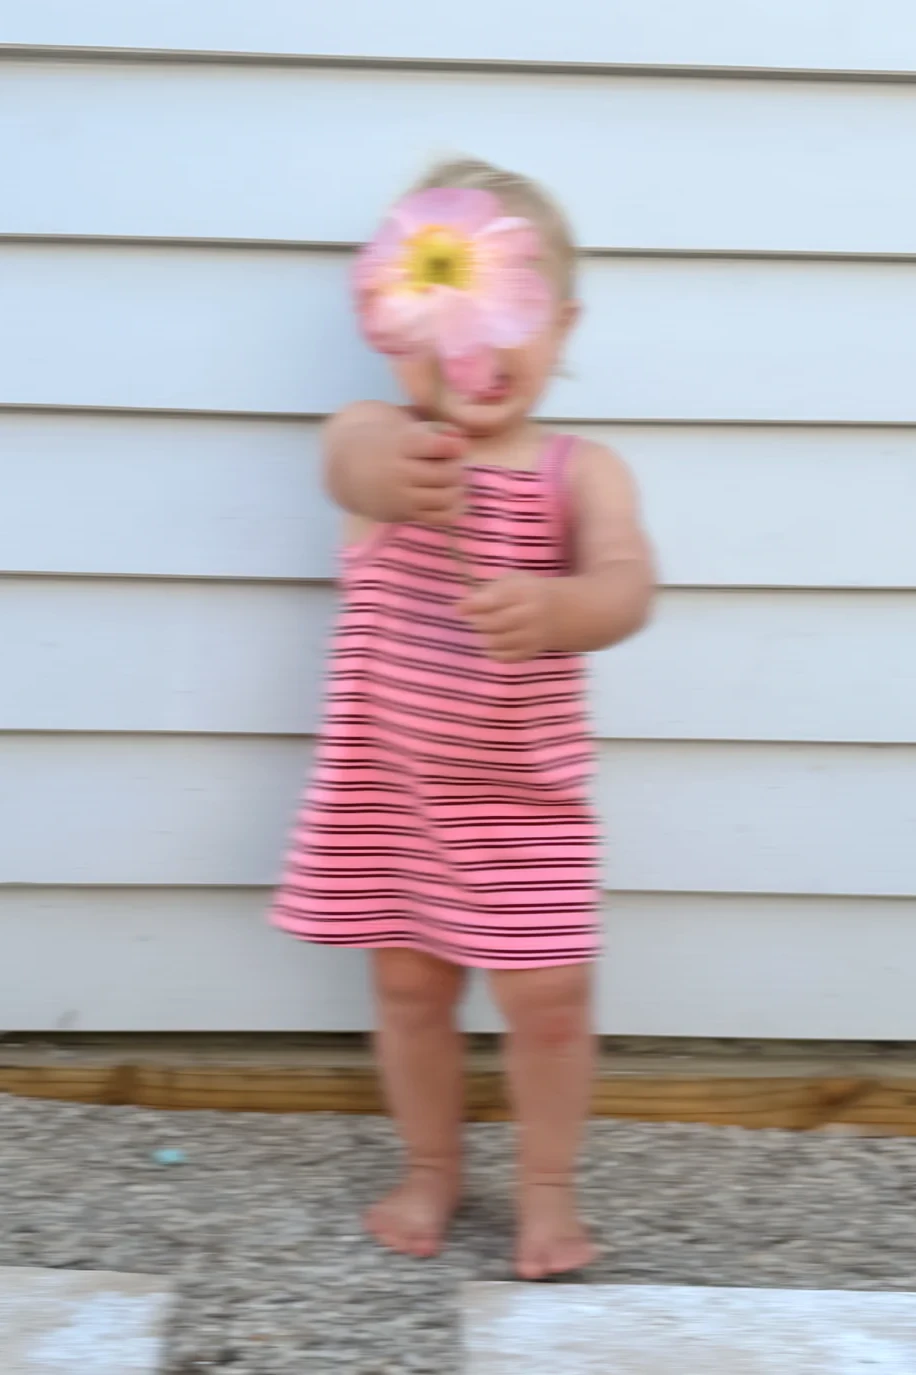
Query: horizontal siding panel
[675, 965]
[797, 819]
[207, 497]
[149, 495]
[771, 967]
[266, 331]
[778, 507]
[162, 656]
[146, 810]
[764, 33]
[171, 656]
[765, 666]
[116, 960]
[236, 152]
[803, 819]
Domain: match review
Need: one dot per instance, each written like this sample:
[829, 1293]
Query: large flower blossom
[449, 274]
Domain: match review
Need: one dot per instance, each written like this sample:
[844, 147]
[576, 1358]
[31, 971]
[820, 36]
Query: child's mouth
[497, 391]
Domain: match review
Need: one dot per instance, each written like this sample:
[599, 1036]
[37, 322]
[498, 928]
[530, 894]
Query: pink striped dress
[448, 811]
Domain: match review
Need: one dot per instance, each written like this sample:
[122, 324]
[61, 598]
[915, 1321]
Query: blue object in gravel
[169, 1156]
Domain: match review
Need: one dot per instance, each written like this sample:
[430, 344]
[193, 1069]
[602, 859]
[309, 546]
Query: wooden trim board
[867, 1093]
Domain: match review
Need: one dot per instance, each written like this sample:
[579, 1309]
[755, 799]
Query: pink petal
[388, 238]
[516, 305]
[396, 321]
[462, 209]
[468, 364]
[460, 322]
[377, 262]
[508, 240]
[470, 374]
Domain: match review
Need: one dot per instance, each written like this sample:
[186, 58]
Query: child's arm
[385, 466]
[609, 596]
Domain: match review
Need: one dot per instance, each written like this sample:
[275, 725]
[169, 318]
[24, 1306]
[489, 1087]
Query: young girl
[448, 824]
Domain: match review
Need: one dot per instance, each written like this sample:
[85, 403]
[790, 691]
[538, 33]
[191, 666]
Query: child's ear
[570, 314]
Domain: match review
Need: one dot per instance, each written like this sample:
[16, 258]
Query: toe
[381, 1227]
[574, 1254]
[424, 1246]
[531, 1264]
[395, 1240]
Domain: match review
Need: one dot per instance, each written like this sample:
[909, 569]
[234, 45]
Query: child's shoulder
[605, 509]
[597, 470]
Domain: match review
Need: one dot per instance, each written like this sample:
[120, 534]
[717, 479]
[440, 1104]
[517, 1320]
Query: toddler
[448, 826]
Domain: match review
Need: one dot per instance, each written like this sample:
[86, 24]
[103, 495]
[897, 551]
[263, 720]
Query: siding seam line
[577, 422]
[89, 53]
[306, 737]
[736, 589]
[624, 252]
[758, 895]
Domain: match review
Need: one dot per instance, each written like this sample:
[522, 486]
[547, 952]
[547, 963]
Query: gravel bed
[259, 1228]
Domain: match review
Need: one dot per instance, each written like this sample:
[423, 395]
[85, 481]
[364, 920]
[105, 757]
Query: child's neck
[516, 447]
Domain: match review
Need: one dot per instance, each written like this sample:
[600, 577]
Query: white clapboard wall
[182, 184]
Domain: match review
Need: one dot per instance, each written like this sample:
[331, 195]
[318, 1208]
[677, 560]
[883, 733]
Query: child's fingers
[507, 649]
[436, 490]
[424, 473]
[483, 601]
[425, 441]
[497, 607]
[505, 621]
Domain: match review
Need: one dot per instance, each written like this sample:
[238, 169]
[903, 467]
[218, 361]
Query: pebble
[168, 1156]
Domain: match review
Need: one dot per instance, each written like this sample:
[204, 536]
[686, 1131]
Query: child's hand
[512, 615]
[386, 467]
[427, 485]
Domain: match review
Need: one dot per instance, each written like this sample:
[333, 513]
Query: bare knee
[546, 1009]
[416, 991]
[550, 1027]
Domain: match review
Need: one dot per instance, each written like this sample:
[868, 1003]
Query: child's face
[522, 377]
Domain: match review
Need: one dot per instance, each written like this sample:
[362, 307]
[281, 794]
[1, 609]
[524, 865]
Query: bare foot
[413, 1219]
[551, 1239]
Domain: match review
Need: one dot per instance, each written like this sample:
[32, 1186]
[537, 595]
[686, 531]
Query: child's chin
[482, 417]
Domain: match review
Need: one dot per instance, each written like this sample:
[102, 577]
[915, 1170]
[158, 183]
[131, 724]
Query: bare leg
[550, 1064]
[420, 1055]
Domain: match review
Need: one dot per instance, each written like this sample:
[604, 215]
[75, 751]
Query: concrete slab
[661, 1330]
[81, 1322]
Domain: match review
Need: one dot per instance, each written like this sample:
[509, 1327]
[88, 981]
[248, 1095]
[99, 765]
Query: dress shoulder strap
[555, 469]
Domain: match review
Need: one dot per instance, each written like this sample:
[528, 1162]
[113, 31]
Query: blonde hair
[521, 196]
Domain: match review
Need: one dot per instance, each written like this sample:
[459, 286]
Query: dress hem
[451, 957]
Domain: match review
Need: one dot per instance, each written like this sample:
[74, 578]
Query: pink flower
[449, 274]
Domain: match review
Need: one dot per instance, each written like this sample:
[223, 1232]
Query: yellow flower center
[438, 257]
